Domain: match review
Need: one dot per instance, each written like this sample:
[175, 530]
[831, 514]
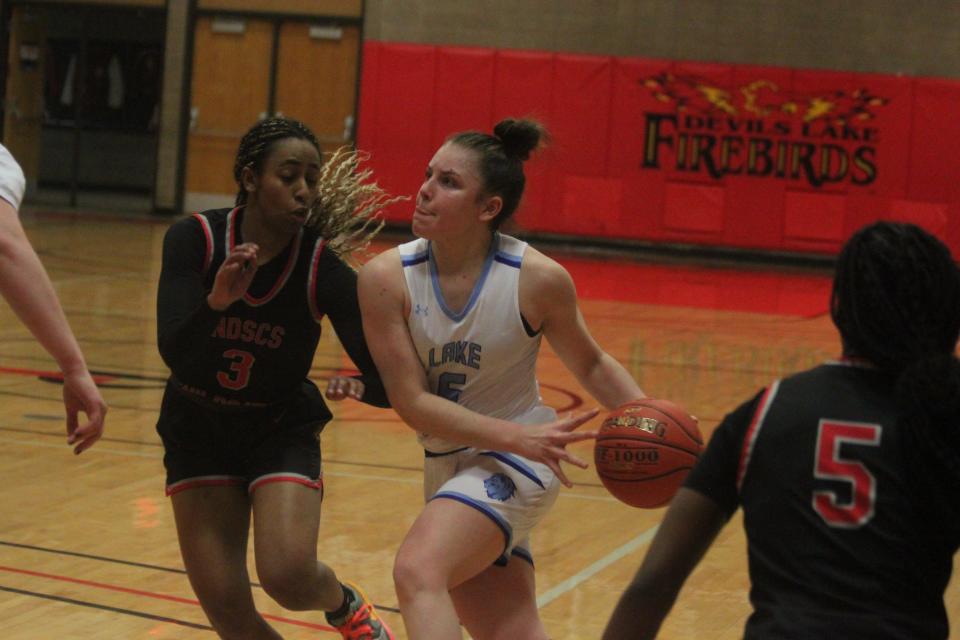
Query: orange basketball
[644, 451]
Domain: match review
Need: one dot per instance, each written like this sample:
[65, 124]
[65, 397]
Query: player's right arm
[384, 307]
[694, 519]
[688, 529]
[186, 316]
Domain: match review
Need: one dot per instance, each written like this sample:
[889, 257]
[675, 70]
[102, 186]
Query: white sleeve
[12, 181]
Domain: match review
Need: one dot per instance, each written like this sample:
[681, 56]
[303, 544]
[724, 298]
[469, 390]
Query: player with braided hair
[455, 320]
[847, 473]
[241, 295]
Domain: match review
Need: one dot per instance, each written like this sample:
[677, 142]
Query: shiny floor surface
[87, 544]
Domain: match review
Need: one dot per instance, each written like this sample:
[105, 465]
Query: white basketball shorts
[514, 492]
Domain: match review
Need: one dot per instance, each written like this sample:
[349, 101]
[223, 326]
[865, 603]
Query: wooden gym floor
[87, 544]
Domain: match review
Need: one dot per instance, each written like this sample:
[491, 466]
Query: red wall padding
[885, 150]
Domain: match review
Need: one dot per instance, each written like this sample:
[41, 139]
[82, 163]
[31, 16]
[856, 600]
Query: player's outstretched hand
[547, 443]
[234, 276]
[80, 394]
[340, 387]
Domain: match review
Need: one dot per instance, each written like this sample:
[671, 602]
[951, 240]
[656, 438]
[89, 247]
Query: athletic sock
[337, 617]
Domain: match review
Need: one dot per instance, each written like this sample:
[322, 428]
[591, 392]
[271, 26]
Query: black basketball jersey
[260, 349]
[839, 543]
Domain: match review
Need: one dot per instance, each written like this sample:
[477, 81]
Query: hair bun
[519, 137]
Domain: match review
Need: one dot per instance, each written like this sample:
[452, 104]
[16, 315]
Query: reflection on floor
[770, 290]
[673, 280]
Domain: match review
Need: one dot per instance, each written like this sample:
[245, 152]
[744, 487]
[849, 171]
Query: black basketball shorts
[205, 447]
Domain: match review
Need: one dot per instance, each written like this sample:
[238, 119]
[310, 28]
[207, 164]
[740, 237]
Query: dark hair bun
[519, 137]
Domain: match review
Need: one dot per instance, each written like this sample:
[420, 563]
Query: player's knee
[414, 573]
[289, 584]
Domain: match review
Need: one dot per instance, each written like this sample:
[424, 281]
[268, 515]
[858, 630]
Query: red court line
[150, 594]
[56, 375]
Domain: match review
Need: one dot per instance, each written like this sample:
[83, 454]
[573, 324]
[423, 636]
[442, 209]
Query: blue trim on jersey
[523, 554]
[477, 288]
[415, 259]
[508, 259]
[484, 509]
[434, 454]
[516, 463]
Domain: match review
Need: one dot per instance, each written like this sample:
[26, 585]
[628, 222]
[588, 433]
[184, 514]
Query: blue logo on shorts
[499, 486]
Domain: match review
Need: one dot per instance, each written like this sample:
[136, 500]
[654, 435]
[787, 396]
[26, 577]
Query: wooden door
[23, 112]
[317, 79]
[229, 92]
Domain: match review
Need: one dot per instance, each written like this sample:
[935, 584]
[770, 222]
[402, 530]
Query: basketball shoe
[361, 621]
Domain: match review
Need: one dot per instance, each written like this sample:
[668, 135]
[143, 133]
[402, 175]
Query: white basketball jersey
[12, 181]
[481, 356]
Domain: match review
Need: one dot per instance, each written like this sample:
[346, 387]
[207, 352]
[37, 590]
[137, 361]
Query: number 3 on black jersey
[239, 375]
[831, 464]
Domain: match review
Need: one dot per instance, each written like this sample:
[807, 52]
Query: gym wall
[766, 126]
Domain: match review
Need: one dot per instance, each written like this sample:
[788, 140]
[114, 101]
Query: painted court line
[542, 600]
[150, 594]
[103, 607]
[334, 474]
[573, 581]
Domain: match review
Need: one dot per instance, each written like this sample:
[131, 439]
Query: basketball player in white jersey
[26, 287]
[454, 321]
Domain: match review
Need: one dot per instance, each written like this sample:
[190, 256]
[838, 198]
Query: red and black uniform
[239, 408]
[841, 542]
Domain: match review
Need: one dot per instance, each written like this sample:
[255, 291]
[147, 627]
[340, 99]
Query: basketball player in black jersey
[848, 474]
[241, 295]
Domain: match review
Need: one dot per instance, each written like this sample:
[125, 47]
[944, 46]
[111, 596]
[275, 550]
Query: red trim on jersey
[312, 279]
[853, 361]
[249, 298]
[203, 481]
[750, 438]
[208, 236]
[312, 483]
[231, 219]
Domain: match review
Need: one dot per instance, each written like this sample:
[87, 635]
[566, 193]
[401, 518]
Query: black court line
[58, 434]
[103, 607]
[89, 556]
[130, 563]
[351, 463]
[113, 405]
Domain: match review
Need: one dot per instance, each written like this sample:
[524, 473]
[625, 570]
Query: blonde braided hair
[349, 203]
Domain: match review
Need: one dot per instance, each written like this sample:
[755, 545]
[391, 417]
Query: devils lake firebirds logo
[761, 130]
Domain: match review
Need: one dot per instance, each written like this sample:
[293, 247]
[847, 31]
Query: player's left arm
[690, 526]
[337, 298]
[26, 286]
[548, 301]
